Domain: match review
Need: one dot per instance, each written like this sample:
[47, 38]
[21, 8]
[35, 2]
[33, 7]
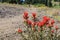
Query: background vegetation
[45, 2]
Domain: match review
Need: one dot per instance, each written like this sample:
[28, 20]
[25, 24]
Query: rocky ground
[11, 19]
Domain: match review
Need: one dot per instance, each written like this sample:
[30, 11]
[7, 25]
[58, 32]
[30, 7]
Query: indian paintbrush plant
[38, 30]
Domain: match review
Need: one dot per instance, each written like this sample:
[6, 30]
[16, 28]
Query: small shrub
[39, 30]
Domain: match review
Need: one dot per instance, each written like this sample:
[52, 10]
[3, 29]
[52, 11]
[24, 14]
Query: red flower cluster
[25, 16]
[46, 19]
[45, 22]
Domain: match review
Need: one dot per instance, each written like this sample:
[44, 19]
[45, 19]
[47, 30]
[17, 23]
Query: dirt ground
[11, 19]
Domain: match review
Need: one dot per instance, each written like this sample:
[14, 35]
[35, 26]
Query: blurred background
[49, 3]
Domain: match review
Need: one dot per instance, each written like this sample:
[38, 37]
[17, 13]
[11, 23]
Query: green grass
[39, 5]
[57, 18]
[56, 6]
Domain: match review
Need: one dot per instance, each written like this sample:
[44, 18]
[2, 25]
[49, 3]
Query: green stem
[41, 33]
[52, 38]
[27, 26]
[56, 35]
[50, 34]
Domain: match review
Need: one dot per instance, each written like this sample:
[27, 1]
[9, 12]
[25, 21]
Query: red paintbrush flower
[48, 18]
[45, 18]
[52, 31]
[29, 22]
[52, 21]
[19, 30]
[25, 16]
[26, 13]
[40, 24]
[44, 21]
[56, 27]
[34, 15]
